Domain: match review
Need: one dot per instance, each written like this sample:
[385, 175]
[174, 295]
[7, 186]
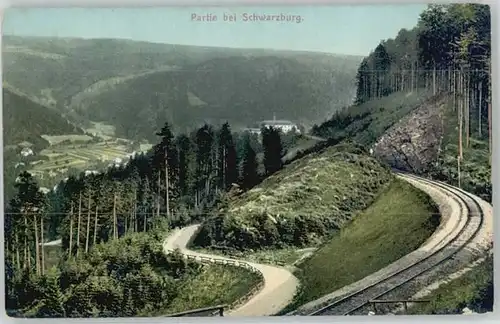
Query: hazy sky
[336, 29]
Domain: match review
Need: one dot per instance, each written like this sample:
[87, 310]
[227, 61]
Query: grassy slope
[366, 122]
[399, 221]
[198, 292]
[473, 290]
[302, 203]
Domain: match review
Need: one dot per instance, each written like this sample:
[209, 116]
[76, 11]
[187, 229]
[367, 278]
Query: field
[398, 222]
[57, 139]
[198, 291]
[82, 151]
[77, 156]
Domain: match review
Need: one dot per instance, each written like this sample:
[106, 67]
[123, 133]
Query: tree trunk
[467, 109]
[115, 220]
[71, 232]
[460, 115]
[37, 245]
[26, 247]
[489, 126]
[78, 225]
[480, 108]
[454, 90]
[145, 221]
[18, 256]
[158, 196]
[489, 109]
[87, 238]
[434, 79]
[135, 211]
[167, 185]
[95, 225]
[42, 246]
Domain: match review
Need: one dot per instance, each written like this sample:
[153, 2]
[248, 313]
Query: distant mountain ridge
[128, 83]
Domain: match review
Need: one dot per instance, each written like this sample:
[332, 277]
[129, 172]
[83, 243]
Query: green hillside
[25, 120]
[185, 85]
[300, 205]
[239, 90]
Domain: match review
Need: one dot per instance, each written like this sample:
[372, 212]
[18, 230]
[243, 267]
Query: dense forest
[447, 54]
[177, 182]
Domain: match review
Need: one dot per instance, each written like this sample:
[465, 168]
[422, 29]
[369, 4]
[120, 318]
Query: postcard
[299, 160]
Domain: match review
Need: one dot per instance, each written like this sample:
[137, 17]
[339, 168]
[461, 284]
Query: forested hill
[240, 90]
[424, 98]
[26, 120]
[196, 84]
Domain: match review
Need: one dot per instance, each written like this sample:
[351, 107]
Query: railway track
[353, 302]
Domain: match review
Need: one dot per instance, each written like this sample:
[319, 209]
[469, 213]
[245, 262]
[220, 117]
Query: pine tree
[271, 142]
[249, 173]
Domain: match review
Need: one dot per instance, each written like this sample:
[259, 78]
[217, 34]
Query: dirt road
[279, 288]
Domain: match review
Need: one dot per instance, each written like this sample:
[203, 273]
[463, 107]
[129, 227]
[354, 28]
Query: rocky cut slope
[413, 143]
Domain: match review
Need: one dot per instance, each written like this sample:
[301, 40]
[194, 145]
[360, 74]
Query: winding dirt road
[279, 288]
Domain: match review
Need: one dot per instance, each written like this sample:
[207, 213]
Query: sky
[338, 29]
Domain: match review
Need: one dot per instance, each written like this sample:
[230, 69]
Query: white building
[285, 126]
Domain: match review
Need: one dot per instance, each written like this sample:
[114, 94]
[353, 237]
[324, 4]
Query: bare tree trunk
[78, 226]
[26, 247]
[71, 232]
[489, 126]
[87, 238]
[135, 211]
[467, 109]
[41, 245]
[434, 79]
[37, 244]
[454, 89]
[489, 109]
[18, 256]
[158, 196]
[115, 222]
[480, 107]
[459, 172]
[167, 185]
[95, 224]
[460, 115]
[145, 221]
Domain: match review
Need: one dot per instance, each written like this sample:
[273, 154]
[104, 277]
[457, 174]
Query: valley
[137, 183]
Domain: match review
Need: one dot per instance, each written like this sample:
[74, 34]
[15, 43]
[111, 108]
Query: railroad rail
[352, 302]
